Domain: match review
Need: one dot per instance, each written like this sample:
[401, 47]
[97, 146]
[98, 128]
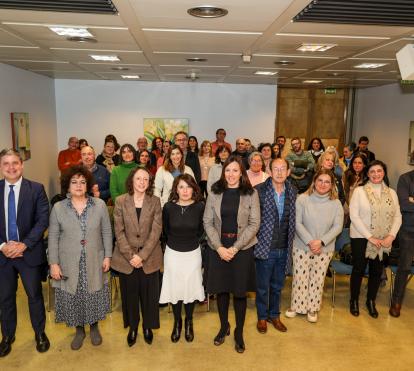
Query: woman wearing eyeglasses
[319, 220]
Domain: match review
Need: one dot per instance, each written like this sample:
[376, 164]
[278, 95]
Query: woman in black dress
[231, 221]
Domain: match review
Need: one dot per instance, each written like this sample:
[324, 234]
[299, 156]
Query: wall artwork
[21, 134]
[411, 144]
[164, 127]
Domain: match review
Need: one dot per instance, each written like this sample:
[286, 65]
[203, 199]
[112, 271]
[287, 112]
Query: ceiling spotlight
[81, 39]
[207, 11]
[335, 74]
[311, 81]
[196, 59]
[192, 76]
[120, 68]
[283, 63]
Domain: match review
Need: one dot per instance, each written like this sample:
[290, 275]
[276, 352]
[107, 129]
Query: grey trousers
[406, 241]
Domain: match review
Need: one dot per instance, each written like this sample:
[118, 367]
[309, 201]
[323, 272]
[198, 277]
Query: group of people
[263, 212]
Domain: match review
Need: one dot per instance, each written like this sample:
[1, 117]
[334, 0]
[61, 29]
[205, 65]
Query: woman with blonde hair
[319, 220]
[206, 159]
[327, 161]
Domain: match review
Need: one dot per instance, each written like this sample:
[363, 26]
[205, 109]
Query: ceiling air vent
[366, 12]
[73, 6]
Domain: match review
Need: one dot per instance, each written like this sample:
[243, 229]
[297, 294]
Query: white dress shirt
[16, 190]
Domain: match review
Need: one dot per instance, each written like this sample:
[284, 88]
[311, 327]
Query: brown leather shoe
[395, 310]
[277, 323]
[261, 326]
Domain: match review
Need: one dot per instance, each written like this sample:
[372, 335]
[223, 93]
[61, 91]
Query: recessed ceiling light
[265, 73]
[105, 58]
[71, 31]
[202, 31]
[283, 63]
[81, 39]
[130, 76]
[207, 11]
[315, 47]
[120, 68]
[311, 81]
[370, 65]
[196, 59]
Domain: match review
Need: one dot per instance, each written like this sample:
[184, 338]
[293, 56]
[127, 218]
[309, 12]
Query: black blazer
[32, 221]
[192, 161]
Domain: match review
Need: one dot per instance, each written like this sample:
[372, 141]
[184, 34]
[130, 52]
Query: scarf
[382, 215]
[108, 162]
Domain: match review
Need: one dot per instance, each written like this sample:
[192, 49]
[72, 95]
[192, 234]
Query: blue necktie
[11, 217]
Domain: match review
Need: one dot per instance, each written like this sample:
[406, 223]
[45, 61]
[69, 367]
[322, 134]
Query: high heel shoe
[189, 331]
[239, 342]
[354, 307]
[371, 308]
[221, 336]
[176, 332]
[132, 336]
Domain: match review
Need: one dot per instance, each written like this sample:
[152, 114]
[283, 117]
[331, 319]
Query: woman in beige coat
[137, 255]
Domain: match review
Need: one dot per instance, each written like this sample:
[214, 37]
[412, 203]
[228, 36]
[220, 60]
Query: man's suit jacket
[32, 221]
[193, 162]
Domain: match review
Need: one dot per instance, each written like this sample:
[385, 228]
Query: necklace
[206, 161]
[184, 208]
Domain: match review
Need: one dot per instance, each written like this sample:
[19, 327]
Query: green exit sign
[407, 82]
[330, 91]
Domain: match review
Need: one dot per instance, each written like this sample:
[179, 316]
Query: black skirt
[237, 276]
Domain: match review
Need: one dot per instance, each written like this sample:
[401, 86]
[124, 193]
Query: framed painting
[21, 134]
[164, 127]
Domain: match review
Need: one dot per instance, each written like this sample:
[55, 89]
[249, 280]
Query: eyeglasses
[279, 169]
[324, 182]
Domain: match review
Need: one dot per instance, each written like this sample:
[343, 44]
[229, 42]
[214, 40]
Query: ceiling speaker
[405, 59]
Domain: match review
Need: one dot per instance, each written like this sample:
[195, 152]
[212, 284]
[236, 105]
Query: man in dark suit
[190, 158]
[24, 217]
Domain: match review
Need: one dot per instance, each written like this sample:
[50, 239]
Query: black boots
[176, 332]
[189, 331]
[371, 308]
[354, 307]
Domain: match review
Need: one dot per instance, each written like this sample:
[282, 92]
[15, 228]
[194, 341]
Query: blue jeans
[270, 278]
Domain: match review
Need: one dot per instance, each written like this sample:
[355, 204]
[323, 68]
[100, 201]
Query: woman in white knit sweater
[319, 220]
[375, 220]
[164, 178]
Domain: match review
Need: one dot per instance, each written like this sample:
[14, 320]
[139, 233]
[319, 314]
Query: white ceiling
[153, 38]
